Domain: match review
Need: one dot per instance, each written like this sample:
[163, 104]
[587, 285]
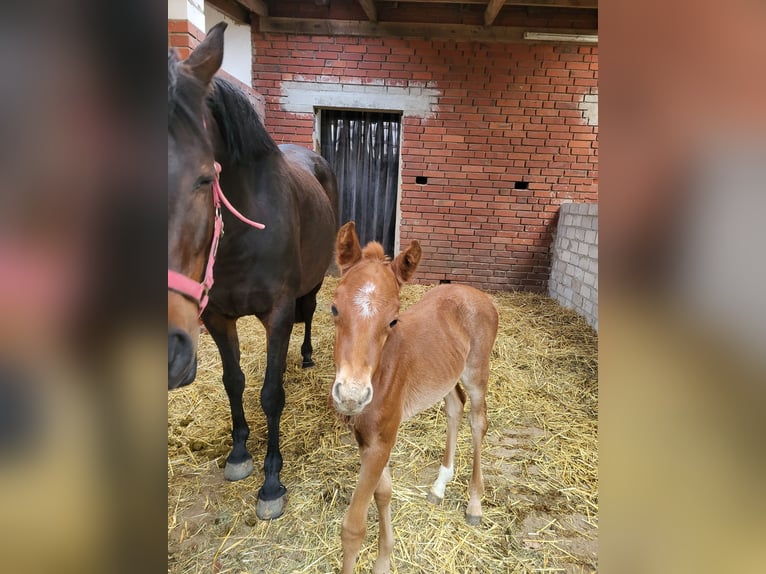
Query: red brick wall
[507, 112]
[183, 36]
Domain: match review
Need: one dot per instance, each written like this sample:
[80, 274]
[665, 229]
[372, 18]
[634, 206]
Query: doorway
[363, 150]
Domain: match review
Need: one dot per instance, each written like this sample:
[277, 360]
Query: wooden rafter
[369, 8]
[257, 6]
[232, 9]
[592, 4]
[330, 27]
[242, 10]
[491, 12]
[555, 3]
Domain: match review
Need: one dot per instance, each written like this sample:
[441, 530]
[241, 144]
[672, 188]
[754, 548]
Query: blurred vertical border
[683, 168]
[82, 405]
[682, 354]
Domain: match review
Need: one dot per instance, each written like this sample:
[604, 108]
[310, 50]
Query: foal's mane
[242, 131]
[374, 250]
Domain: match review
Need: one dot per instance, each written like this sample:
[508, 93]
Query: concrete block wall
[574, 263]
[504, 133]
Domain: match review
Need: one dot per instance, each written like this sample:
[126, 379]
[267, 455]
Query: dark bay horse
[272, 273]
[390, 367]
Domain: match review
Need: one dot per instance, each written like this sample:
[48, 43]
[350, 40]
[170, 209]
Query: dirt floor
[540, 461]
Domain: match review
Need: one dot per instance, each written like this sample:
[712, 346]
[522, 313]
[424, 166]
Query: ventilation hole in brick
[421, 179]
[520, 185]
[444, 281]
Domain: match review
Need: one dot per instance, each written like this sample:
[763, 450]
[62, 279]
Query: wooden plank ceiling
[484, 20]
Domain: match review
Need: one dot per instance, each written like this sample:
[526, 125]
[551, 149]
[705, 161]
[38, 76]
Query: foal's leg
[374, 460]
[239, 463]
[279, 325]
[306, 306]
[453, 407]
[386, 534]
[475, 381]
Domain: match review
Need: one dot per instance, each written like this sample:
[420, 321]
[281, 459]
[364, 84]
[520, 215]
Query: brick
[494, 125]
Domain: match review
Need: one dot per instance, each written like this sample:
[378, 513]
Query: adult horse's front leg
[279, 324]
[239, 463]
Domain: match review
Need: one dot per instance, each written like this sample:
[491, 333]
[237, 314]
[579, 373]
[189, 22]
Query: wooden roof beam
[589, 4]
[328, 27]
[257, 6]
[232, 9]
[369, 8]
[491, 12]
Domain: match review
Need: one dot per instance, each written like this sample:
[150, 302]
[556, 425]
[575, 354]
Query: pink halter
[194, 290]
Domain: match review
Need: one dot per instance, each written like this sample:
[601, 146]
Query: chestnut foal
[391, 367]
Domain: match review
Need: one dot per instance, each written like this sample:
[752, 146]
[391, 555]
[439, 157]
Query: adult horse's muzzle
[182, 359]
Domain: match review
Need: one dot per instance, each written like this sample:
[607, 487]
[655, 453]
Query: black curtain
[363, 150]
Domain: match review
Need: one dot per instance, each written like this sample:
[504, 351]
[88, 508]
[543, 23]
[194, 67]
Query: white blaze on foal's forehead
[364, 300]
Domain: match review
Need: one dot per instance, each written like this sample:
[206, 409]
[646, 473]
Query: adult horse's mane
[242, 132]
[244, 137]
[183, 90]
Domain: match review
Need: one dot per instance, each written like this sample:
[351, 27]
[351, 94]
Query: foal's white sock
[445, 475]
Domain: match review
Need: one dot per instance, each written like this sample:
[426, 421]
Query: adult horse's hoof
[472, 520]
[239, 470]
[270, 509]
[433, 499]
[308, 363]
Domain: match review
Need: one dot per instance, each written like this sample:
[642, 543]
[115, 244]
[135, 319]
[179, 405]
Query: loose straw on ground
[540, 460]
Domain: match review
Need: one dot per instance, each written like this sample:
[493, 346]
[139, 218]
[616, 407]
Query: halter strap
[194, 290]
[219, 197]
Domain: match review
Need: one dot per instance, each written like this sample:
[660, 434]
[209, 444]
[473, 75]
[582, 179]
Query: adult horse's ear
[207, 58]
[406, 262]
[347, 249]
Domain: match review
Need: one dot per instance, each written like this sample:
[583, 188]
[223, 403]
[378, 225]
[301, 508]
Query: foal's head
[191, 173]
[366, 309]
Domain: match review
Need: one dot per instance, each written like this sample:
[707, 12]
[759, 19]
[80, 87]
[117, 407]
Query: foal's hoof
[472, 520]
[239, 470]
[308, 363]
[270, 509]
[433, 499]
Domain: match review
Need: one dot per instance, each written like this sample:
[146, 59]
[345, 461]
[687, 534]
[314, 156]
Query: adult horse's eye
[393, 323]
[203, 181]
[334, 311]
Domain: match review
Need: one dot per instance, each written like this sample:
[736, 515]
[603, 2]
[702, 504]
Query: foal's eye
[393, 323]
[334, 311]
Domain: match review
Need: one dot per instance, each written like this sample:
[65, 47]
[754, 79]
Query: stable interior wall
[495, 138]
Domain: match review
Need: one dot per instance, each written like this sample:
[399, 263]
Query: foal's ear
[207, 58]
[347, 249]
[406, 262]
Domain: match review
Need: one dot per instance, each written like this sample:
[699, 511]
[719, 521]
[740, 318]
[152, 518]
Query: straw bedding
[540, 460]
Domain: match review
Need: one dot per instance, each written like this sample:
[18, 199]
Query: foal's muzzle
[350, 398]
[182, 363]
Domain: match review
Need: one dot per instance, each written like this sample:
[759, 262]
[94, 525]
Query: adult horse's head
[191, 175]
[366, 308]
